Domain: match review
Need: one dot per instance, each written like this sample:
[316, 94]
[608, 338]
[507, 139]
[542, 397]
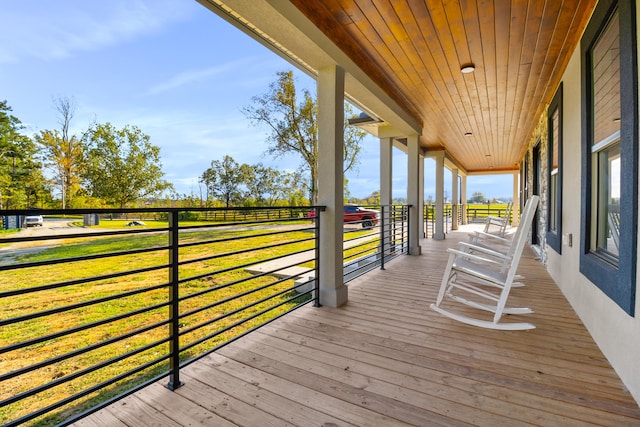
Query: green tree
[373, 198]
[477, 197]
[27, 185]
[121, 165]
[62, 153]
[252, 183]
[264, 184]
[294, 128]
[225, 180]
[22, 183]
[292, 189]
[208, 179]
[275, 184]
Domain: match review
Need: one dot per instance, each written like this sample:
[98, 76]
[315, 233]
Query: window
[554, 170]
[605, 148]
[554, 178]
[536, 186]
[606, 239]
[609, 152]
[524, 183]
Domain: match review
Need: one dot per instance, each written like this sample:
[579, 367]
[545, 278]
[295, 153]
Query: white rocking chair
[476, 271]
[495, 246]
[497, 225]
[490, 236]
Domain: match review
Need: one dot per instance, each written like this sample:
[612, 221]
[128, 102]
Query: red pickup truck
[357, 215]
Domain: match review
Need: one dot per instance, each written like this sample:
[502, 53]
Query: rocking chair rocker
[484, 274]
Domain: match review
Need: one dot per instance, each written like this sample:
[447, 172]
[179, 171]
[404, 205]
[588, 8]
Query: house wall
[616, 333]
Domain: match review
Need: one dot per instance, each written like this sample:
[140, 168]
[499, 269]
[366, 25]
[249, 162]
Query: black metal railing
[480, 214]
[429, 216]
[430, 219]
[474, 214]
[388, 237]
[89, 315]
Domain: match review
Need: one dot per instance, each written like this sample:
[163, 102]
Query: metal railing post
[406, 240]
[316, 285]
[174, 309]
[382, 236]
[393, 234]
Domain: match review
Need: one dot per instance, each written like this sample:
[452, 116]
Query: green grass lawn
[218, 288]
[485, 210]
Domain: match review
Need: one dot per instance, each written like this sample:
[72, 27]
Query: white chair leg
[445, 279]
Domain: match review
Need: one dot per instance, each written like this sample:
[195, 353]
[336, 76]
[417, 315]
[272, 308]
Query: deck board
[386, 359]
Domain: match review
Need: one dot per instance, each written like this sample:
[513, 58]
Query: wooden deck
[386, 359]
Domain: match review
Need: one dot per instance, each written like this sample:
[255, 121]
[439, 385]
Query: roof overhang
[288, 33]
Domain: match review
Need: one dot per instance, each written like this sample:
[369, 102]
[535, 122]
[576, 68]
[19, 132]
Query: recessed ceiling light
[616, 120]
[468, 68]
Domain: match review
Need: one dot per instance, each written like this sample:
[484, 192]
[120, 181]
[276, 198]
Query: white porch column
[423, 230]
[386, 188]
[438, 234]
[515, 207]
[413, 196]
[386, 170]
[455, 200]
[463, 196]
[333, 292]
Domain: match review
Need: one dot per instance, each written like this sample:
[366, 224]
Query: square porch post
[463, 196]
[413, 197]
[333, 292]
[386, 170]
[439, 231]
[515, 200]
[455, 200]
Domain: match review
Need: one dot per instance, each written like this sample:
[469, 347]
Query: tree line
[109, 167]
[229, 183]
[103, 167]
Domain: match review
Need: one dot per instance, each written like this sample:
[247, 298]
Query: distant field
[479, 212]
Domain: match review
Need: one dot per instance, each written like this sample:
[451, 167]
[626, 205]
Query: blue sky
[171, 67]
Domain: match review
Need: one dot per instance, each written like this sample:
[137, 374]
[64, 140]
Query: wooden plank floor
[386, 359]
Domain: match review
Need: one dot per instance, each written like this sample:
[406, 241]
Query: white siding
[617, 334]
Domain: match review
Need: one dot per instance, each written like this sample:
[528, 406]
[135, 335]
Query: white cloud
[33, 29]
[195, 76]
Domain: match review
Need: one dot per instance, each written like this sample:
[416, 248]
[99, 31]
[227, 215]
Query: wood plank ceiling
[414, 50]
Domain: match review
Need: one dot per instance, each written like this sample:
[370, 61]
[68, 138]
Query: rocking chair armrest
[474, 257]
[482, 234]
[496, 220]
[484, 250]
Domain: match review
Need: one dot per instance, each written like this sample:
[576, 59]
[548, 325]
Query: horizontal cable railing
[474, 213]
[90, 314]
[386, 238]
[97, 304]
[480, 214]
[430, 218]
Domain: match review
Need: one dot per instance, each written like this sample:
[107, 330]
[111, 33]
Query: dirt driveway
[51, 227]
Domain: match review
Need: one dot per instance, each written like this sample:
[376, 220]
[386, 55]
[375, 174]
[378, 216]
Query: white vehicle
[33, 220]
